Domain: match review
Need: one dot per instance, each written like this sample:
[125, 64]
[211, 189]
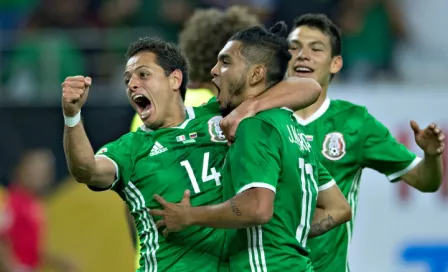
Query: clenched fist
[74, 94]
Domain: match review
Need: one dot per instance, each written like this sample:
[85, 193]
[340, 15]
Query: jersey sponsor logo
[296, 137]
[216, 133]
[333, 147]
[157, 148]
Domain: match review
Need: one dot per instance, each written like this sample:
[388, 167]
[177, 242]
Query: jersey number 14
[205, 176]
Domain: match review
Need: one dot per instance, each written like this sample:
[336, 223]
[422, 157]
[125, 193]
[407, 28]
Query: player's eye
[143, 74]
[293, 47]
[126, 81]
[315, 49]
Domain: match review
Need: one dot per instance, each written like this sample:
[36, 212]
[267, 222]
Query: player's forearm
[325, 220]
[79, 153]
[427, 175]
[241, 211]
[294, 93]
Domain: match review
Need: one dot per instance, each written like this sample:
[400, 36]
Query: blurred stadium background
[395, 63]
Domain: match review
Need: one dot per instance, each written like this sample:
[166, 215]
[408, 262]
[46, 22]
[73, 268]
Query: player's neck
[204, 85]
[307, 112]
[177, 114]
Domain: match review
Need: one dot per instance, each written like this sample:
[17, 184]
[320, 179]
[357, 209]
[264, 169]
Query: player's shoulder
[132, 136]
[275, 115]
[339, 107]
[210, 107]
[270, 118]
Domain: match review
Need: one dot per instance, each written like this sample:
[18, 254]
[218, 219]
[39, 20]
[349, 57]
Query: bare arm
[83, 165]
[294, 93]
[332, 210]
[427, 175]
[85, 168]
[252, 207]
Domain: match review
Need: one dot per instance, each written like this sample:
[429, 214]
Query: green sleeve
[119, 152]
[325, 180]
[382, 152]
[254, 157]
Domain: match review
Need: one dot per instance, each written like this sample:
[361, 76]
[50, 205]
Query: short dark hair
[261, 46]
[324, 24]
[207, 32]
[169, 57]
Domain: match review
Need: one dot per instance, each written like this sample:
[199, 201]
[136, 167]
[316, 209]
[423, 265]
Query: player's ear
[336, 64]
[176, 79]
[257, 74]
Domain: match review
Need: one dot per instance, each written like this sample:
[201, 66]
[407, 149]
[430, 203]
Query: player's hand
[74, 94]
[175, 216]
[230, 123]
[430, 140]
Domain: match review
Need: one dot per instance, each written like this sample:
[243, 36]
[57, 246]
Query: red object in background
[23, 222]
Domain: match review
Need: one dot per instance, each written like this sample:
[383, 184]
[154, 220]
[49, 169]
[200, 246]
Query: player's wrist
[191, 216]
[71, 121]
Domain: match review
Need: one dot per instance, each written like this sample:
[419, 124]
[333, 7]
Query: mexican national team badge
[215, 130]
[333, 147]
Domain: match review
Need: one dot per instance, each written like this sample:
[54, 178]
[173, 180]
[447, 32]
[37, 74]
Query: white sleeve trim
[117, 172]
[400, 173]
[257, 185]
[327, 185]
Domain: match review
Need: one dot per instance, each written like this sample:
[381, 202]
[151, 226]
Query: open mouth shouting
[143, 105]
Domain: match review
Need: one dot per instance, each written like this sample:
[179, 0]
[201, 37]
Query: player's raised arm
[382, 152]
[427, 175]
[332, 209]
[294, 93]
[85, 168]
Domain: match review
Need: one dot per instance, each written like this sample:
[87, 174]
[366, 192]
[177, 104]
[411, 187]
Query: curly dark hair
[269, 47]
[207, 32]
[169, 57]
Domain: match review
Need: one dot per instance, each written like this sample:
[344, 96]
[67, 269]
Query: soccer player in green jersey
[271, 179]
[178, 148]
[347, 138]
[201, 50]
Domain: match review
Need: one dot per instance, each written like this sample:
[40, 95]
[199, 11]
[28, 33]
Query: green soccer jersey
[347, 139]
[270, 151]
[167, 162]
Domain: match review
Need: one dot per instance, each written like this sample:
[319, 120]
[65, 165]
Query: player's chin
[151, 121]
[303, 75]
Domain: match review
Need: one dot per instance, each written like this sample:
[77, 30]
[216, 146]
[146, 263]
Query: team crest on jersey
[216, 133]
[333, 147]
